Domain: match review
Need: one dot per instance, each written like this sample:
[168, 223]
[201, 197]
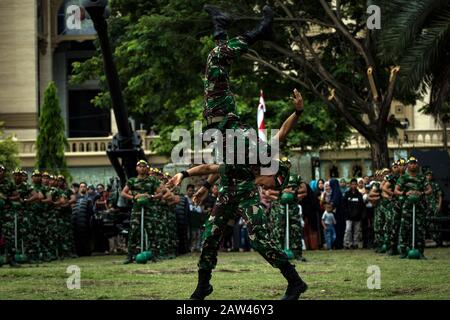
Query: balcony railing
[82, 145]
[405, 139]
[92, 146]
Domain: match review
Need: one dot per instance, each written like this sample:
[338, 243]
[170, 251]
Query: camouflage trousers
[379, 223]
[392, 225]
[65, 232]
[219, 99]
[406, 226]
[278, 214]
[172, 230]
[150, 234]
[8, 216]
[160, 228]
[433, 227]
[245, 202]
[33, 237]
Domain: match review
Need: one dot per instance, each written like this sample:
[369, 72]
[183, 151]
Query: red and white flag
[260, 117]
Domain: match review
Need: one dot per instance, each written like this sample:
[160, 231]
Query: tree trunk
[380, 153]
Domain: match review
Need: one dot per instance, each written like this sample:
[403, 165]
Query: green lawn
[330, 275]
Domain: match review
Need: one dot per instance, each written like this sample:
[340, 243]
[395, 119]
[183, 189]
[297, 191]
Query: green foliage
[160, 49]
[416, 36]
[9, 152]
[51, 142]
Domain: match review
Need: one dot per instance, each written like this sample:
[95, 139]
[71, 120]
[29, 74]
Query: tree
[417, 38]
[329, 51]
[9, 152]
[51, 142]
[161, 59]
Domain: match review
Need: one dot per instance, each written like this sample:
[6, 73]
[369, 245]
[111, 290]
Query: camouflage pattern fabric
[410, 183]
[147, 185]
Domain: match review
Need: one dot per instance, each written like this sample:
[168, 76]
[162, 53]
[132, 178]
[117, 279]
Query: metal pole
[287, 226]
[414, 226]
[142, 229]
[15, 230]
[146, 240]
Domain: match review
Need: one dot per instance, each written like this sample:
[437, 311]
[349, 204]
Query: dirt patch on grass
[406, 291]
[233, 271]
[157, 272]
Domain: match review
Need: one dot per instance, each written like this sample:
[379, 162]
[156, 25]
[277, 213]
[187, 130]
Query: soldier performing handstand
[238, 193]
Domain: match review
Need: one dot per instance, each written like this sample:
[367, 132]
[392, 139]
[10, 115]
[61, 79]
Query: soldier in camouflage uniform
[143, 186]
[278, 214]
[413, 187]
[434, 202]
[67, 246]
[172, 221]
[159, 217]
[380, 214]
[35, 210]
[21, 208]
[238, 194]
[43, 217]
[386, 208]
[54, 199]
[396, 213]
[7, 194]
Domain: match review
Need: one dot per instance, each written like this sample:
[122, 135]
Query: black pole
[96, 10]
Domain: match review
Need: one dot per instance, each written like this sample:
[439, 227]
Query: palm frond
[402, 20]
[422, 56]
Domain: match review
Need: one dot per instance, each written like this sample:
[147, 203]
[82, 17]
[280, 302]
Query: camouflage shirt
[146, 185]
[410, 183]
[24, 189]
[7, 188]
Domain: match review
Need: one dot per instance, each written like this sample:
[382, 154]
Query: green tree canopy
[9, 151]
[51, 142]
[160, 49]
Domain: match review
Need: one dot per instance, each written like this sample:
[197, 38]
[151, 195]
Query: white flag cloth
[260, 117]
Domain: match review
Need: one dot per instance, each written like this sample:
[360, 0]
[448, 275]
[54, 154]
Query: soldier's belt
[214, 119]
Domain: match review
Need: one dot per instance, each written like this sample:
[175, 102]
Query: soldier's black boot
[203, 289]
[221, 21]
[296, 285]
[264, 30]
[128, 260]
[13, 263]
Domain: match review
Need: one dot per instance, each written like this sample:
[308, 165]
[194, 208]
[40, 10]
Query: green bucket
[413, 254]
[287, 198]
[20, 258]
[413, 198]
[289, 253]
[143, 201]
[141, 258]
[148, 255]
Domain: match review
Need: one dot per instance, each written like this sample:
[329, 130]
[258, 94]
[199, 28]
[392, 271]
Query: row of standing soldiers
[35, 219]
[153, 203]
[399, 192]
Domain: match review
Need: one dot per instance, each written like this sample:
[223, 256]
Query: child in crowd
[328, 222]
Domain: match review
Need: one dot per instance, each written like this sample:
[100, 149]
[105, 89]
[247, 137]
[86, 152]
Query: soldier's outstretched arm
[201, 170]
[290, 122]
[201, 193]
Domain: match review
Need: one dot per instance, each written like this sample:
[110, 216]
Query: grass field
[330, 275]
